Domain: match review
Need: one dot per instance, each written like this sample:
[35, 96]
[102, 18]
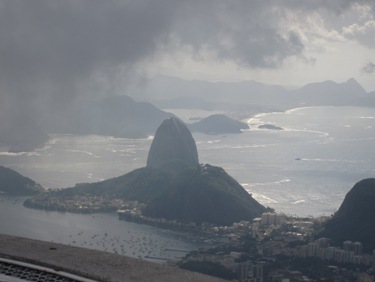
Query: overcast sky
[291, 42]
[53, 50]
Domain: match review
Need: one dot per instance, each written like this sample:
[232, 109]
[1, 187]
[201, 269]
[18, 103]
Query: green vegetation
[13, 183]
[173, 185]
[204, 194]
[142, 184]
[355, 218]
[176, 191]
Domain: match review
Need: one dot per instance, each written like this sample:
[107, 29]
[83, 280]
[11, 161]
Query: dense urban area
[273, 247]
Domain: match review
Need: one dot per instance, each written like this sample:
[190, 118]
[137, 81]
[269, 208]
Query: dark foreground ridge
[91, 264]
[355, 218]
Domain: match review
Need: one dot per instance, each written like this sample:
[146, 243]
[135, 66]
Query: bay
[305, 169]
[98, 231]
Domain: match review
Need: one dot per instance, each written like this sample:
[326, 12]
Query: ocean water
[93, 231]
[318, 158]
[305, 169]
[70, 159]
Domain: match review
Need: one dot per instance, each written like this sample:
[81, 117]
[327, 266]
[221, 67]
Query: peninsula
[173, 186]
[15, 184]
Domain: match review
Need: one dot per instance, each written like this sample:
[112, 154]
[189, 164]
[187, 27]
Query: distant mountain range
[175, 92]
[119, 116]
[124, 116]
[329, 93]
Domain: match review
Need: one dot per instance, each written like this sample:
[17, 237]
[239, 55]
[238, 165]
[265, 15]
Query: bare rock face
[173, 141]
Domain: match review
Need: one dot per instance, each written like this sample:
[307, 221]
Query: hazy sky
[285, 42]
[51, 50]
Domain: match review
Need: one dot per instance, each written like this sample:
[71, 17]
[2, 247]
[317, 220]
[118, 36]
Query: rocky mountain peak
[173, 141]
[355, 87]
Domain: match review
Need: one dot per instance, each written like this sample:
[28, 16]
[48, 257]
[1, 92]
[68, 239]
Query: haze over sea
[305, 169]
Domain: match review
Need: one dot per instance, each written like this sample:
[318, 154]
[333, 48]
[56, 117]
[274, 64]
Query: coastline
[99, 231]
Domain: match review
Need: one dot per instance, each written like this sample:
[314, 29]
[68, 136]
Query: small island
[270, 126]
[218, 124]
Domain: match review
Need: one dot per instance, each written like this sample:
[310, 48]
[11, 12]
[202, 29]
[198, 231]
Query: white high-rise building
[271, 218]
[348, 246]
[358, 248]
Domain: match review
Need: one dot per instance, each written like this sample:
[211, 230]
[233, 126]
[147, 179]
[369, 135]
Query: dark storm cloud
[246, 32]
[251, 33]
[52, 51]
[49, 47]
[53, 45]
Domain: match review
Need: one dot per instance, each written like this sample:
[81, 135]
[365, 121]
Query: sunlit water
[305, 169]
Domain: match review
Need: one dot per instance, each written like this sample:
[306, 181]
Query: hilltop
[172, 141]
[355, 218]
[13, 183]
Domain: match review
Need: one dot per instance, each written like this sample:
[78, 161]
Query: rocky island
[218, 124]
[270, 126]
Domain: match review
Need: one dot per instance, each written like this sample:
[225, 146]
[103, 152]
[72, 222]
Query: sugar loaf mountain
[173, 185]
[355, 219]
